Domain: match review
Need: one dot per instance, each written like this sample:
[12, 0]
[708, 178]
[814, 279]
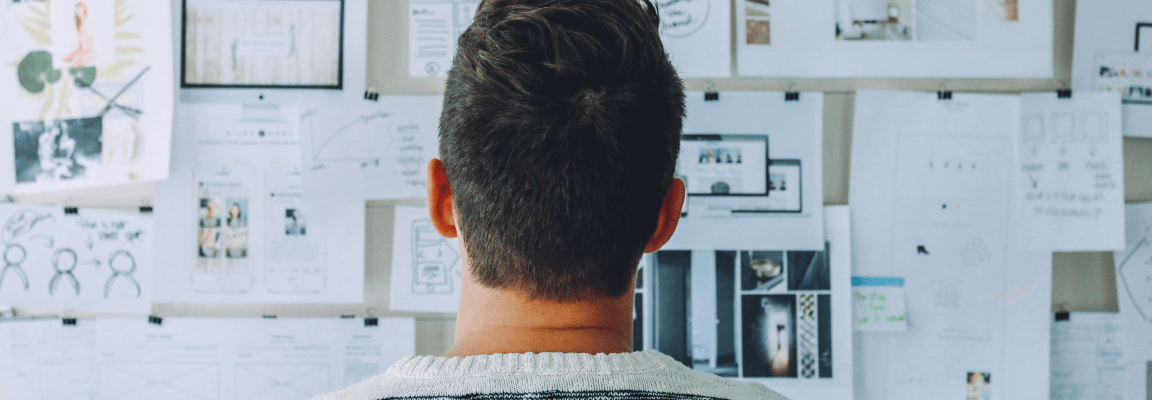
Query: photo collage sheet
[87, 93]
[1113, 53]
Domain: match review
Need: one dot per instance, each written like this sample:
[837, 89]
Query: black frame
[183, 55]
[724, 137]
[1138, 26]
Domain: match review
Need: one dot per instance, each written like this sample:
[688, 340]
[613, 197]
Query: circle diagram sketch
[683, 18]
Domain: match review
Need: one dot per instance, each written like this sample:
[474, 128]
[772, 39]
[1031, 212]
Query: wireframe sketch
[56, 150]
[275, 381]
[140, 381]
[682, 18]
[222, 263]
[433, 260]
[433, 29]
[1135, 275]
[280, 43]
[366, 141]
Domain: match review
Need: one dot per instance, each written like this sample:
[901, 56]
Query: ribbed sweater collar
[530, 364]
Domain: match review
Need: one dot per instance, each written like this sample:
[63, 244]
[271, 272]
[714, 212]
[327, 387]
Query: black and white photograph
[294, 224]
[769, 336]
[761, 270]
[808, 270]
[58, 150]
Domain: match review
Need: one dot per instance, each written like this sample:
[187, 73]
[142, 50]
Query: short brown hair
[559, 135]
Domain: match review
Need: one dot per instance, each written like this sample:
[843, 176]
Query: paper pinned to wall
[87, 93]
[1088, 359]
[434, 27]
[1071, 172]
[977, 307]
[90, 260]
[426, 267]
[1134, 282]
[370, 149]
[901, 39]
[197, 358]
[239, 226]
[778, 316]
[1113, 52]
[697, 36]
[751, 162]
[879, 304]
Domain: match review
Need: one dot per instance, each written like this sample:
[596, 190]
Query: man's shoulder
[664, 379]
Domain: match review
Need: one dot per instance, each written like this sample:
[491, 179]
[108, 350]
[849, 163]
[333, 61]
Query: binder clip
[268, 317]
[68, 321]
[347, 316]
[371, 322]
[145, 209]
[370, 92]
[152, 319]
[711, 96]
[71, 210]
[1064, 94]
[791, 94]
[1062, 316]
[943, 93]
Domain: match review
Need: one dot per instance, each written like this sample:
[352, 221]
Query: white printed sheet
[238, 223]
[931, 195]
[227, 359]
[752, 162]
[903, 39]
[1112, 52]
[1088, 359]
[1134, 282]
[87, 93]
[697, 36]
[90, 260]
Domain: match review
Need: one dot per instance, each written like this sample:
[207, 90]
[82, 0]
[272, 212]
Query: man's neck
[494, 321]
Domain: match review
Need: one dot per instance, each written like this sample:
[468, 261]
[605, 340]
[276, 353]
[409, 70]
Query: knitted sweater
[647, 375]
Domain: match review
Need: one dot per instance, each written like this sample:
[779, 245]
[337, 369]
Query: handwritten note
[82, 260]
[879, 304]
[1071, 178]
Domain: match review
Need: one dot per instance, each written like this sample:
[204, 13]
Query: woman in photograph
[236, 216]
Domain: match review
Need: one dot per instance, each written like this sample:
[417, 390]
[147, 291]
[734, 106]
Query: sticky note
[878, 304]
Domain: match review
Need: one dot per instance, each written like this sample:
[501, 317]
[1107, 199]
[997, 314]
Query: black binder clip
[69, 321]
[1064, 94]
[145, 209]
[71, 210]
[711, 96]
[792, 96]
[152, 319]
[944, 95]
[1062, 316]
[269, 317]
[371, 322]
[347, 316]
[372, 96]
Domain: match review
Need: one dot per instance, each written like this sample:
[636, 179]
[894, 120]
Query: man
[559, 138]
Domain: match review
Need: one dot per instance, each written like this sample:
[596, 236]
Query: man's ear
[440, 200]
[669, 216]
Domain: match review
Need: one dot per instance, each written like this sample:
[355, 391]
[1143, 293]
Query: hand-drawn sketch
[1070, 189]
[373, 150]
[426, 267]
[1134, 281]
[433, 260]
[87, 107]
[58, 253]
[64, 262]
[281, 381]
[682, 18]
[695, 35]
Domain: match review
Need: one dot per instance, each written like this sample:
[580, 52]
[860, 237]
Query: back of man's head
[559, 136]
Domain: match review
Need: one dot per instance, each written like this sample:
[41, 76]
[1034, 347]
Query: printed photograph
[769, 336]
[294, 224]
[236, 233]
[809, 270]
[979, 386]
[906, 20]
[721, 155]
[761, 270]
[56, 150]
[758, 24]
